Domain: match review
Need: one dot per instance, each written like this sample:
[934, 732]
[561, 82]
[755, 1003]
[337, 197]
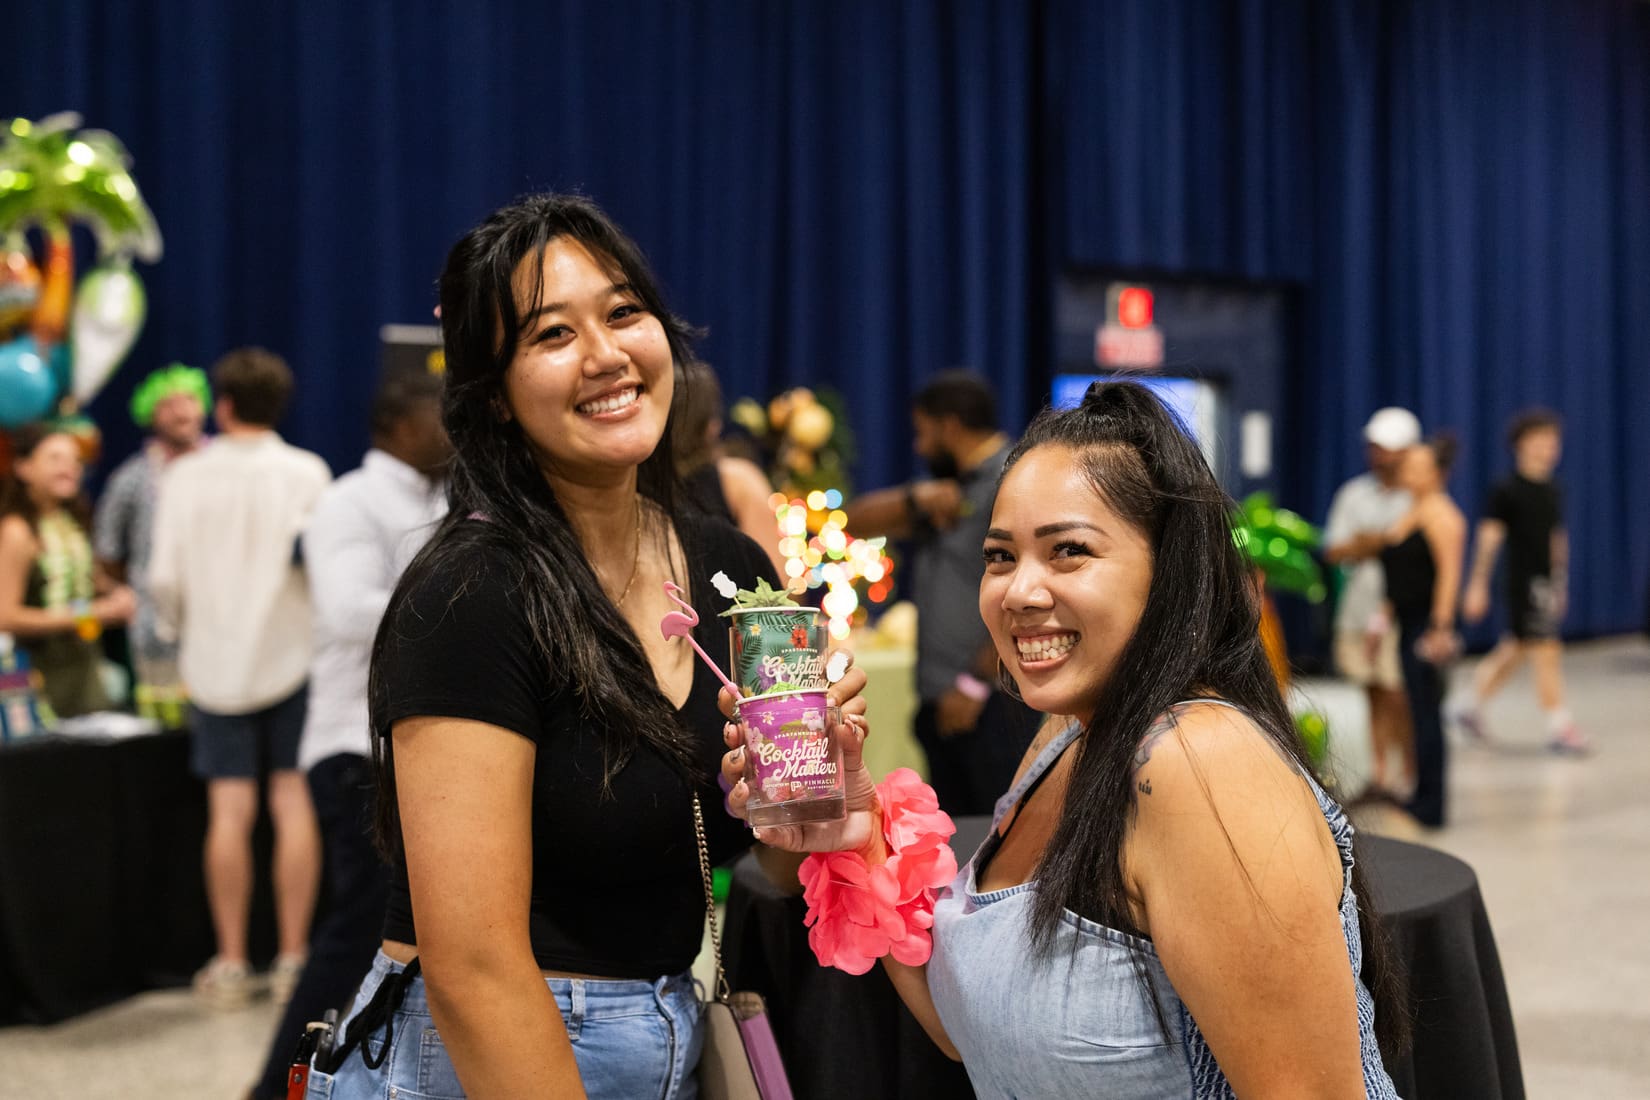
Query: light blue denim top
[1077, 1022]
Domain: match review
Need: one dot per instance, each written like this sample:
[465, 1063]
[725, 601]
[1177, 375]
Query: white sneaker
[284, 973]
[1569, 741]
[223, 984]
[1472, 724]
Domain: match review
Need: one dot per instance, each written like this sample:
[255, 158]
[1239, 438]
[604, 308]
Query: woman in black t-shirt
[539, 742]
[1422, 561]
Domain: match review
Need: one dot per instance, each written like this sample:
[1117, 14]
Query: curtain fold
[859, 194]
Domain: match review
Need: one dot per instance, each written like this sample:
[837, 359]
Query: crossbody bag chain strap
[723, 992]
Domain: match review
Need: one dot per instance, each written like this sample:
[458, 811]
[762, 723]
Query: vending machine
[1219, 353]
[1222, 354]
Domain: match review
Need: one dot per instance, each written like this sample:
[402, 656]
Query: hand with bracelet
[870, 880]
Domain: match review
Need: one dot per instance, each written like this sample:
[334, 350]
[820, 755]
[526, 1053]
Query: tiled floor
[1561, 847]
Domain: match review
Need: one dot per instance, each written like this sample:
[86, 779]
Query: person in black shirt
[1526, 514]
[539, 744]
[1422, 561]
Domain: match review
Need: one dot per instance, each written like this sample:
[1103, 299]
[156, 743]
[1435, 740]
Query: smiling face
[591, 380]
[1065, 584]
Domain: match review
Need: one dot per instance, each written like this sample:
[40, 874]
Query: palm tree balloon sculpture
[59, 344]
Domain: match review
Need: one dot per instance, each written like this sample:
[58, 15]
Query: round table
[1428, 903]
[1464, 1043]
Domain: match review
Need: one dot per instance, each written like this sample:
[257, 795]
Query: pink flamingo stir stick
[680, 624]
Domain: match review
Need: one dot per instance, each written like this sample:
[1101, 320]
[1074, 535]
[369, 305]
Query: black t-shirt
[616, 884]
[1531, 511]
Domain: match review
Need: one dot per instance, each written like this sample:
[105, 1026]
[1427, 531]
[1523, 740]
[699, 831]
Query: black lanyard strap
[386, 1001]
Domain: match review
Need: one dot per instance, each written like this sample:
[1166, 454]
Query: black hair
[14, 494]
[1198, 636]
[1443, 446]
[959, 393]
[398, 395]
[1531, 420]
[501, 505]
[697, 404]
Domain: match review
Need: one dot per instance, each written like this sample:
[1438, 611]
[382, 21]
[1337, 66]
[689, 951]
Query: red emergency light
[1134, 307]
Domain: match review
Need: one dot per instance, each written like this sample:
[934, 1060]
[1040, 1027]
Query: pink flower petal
[914, 950]
[857, 913]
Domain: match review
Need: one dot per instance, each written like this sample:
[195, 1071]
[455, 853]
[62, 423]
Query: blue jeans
[633, 1040]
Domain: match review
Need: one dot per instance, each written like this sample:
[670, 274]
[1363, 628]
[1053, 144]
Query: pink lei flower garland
[858, 913]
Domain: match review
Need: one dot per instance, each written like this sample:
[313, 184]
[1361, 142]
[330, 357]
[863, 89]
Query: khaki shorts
[1352, 658]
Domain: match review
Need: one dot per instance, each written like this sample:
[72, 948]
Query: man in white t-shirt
[1366, 640]
[228, 584]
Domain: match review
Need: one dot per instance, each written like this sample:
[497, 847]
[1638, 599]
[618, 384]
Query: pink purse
[741, 1057]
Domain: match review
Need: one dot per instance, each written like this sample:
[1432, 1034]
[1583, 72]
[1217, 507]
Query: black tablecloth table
[1465, 1047]
[851, 1036]
[101, 893]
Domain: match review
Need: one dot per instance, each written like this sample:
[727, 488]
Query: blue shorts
[246, 746]
[633, 1040]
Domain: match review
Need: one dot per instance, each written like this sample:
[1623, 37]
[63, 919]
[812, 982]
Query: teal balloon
[28, 388]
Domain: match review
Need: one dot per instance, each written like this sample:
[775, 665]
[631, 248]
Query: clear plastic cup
[793, 760]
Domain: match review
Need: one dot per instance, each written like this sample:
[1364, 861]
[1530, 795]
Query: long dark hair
[14, 494]
[1199, 635]
[501, 506]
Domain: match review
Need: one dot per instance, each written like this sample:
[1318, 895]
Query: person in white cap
[1366, 640]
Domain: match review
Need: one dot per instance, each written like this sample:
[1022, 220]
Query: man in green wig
[171, 404]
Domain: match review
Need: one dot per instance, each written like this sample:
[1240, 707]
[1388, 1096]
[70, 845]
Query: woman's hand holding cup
[861, 824]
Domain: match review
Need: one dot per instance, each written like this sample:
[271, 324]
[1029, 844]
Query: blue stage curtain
[1462, 189]
[838, 193]
[1481, 246]
[861, 193]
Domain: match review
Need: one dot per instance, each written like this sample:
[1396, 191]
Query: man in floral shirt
[172, 403]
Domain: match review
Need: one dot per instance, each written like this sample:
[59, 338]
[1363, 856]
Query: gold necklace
[636, 558]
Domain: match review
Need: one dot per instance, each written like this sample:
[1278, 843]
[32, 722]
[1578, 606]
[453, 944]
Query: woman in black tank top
[1423, 579]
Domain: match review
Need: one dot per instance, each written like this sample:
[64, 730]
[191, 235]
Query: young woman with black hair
[1422, 560]
[539, 744]
[1168, 904]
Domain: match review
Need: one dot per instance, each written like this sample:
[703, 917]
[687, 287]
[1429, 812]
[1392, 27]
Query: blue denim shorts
[246, 746]
[633, 1040]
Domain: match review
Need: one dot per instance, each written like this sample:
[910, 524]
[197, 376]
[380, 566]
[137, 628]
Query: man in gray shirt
[973, 733]
[1366, 640]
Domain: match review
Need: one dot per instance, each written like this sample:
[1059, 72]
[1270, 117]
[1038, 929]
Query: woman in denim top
[1168, 904]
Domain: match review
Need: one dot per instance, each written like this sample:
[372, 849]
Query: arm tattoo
[1143, 753]
[1154, 733]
